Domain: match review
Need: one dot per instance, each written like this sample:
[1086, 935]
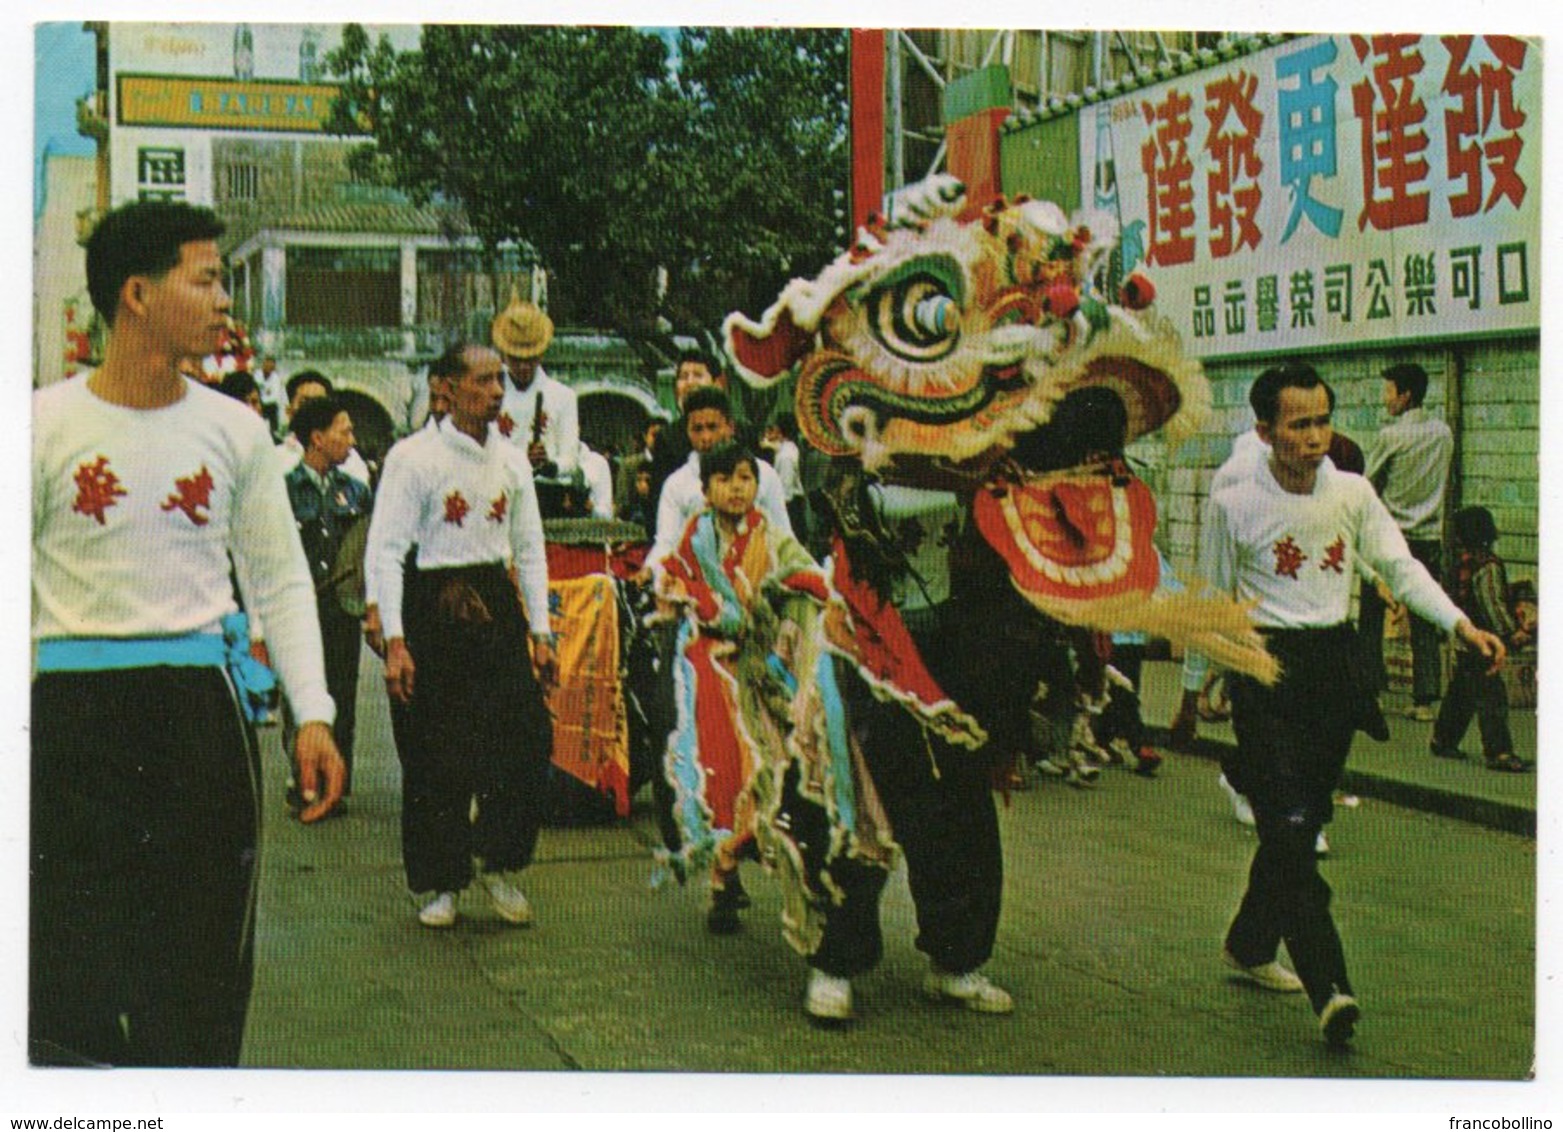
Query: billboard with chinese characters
[1332, 190]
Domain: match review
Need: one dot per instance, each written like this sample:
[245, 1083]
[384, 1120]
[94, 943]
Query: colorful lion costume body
[953, 350]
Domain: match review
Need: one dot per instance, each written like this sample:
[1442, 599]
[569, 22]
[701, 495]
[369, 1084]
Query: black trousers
[798, 516]
[144, 863]
[1426, 637]
[1120, 719]
[341, 636]
[939, 800]
[1292, 742]
[341, 641]
[661, 717]
[401, 714]
[1473, 692]
[477, 729]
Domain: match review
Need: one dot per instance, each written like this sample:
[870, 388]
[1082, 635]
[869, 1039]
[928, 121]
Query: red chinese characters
[1232, 187]
[1390, 116]
[1482, 131]
[498, 507]
[1289, 557]
[1169, 179]
[456, 508]
[192, 495]
[97, 489]
[1334, 555]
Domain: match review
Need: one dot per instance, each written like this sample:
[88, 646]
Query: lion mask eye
[916, 314]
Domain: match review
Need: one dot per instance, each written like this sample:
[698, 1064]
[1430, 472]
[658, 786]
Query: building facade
[62, 312]
[329, 272]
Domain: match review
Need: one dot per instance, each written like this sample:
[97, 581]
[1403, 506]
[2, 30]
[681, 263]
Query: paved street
[1115, 902]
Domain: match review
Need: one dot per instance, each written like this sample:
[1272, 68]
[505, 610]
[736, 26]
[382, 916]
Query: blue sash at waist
[229, 649]
[99, 654]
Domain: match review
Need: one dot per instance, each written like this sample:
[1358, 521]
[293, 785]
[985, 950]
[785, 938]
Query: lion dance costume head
[984, 344]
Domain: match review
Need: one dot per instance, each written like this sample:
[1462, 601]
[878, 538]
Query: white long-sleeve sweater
[461, 503]
[136, 513]
[1294, 555]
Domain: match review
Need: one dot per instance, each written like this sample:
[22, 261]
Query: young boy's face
[732, 494]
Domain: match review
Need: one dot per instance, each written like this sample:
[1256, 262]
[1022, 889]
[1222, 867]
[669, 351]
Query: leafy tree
[768, 159]
[721, 170]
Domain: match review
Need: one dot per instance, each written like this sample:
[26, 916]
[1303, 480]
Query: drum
[562, 497]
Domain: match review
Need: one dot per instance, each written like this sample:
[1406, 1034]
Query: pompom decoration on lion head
[945, 339]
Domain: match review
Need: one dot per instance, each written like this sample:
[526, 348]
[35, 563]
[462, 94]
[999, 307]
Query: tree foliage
[724, 164]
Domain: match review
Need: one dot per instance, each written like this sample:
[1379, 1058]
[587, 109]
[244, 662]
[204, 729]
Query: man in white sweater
[456, 642]
[144, 769]
[1288, 539]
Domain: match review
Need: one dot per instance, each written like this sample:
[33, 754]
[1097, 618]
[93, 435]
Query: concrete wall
[1498, 442]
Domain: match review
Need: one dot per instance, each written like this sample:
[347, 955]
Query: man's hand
[1185, 725]
[545, 664]
[374, 634]
[1483, 642]
[318, 759]
[399, 670]
[536, 453]
[260, 653]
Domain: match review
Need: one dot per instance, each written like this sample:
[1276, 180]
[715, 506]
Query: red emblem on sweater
[191, 494]
[507, 424]
[1288, 557]
[456, 508]
[497, 509]
[1335, 555]
[97, 489]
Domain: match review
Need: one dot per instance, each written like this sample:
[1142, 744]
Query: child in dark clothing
[1481, 591]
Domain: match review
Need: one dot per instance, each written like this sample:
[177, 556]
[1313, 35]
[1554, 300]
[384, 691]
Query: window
[309, 56]
[457, 285]
[242, 182]
[344, 287]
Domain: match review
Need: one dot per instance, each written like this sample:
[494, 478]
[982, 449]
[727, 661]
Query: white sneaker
[1272, 976]
[439, 912]
[1241, 810]
[509, 901]
[972, 990]
[1082, 775]
[1321, 847]
[828, 997]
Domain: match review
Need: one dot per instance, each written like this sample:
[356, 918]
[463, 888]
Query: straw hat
[521, 330]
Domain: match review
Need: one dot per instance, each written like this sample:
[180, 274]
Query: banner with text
[1332, 190]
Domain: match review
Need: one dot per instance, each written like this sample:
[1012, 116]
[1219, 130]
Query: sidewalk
[1402, 770]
